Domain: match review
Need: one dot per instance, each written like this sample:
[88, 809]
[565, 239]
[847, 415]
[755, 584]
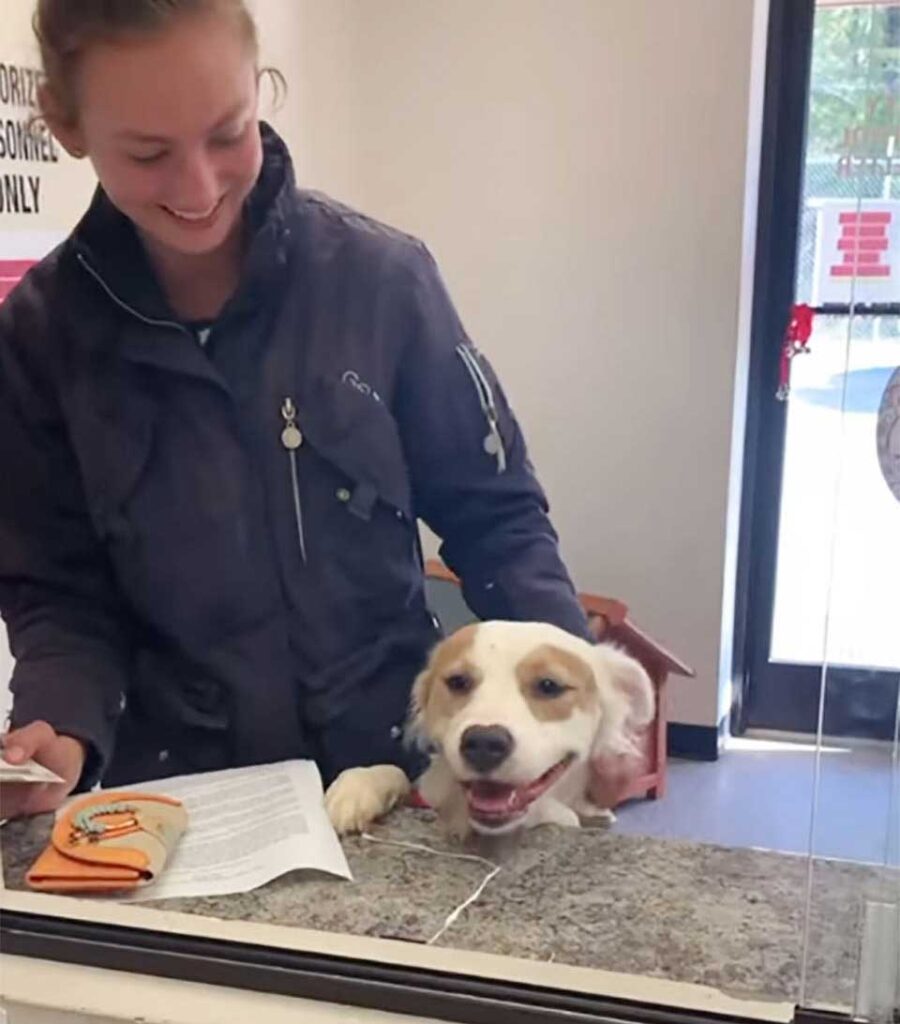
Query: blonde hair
[65, 29]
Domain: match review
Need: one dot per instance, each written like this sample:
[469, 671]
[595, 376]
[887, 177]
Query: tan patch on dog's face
[449, 680]
[555, 682]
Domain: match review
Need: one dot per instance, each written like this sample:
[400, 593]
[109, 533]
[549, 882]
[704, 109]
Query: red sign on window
[11, 272]
[864, 243]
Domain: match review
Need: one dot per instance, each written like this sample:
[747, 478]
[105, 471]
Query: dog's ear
[449, 652]
[418, 701]
[626, 699]
[630, 677]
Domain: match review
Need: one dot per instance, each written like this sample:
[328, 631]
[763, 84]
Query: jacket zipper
[292, 439]
[493, 442]
[124, 305]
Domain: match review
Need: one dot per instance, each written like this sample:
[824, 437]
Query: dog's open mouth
[496, 804]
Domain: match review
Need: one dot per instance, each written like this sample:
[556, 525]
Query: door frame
[786, 697]
[783, 145]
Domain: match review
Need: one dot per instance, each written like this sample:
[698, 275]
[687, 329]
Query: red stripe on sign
[862, 244]
[863, 257]
[11, 272]
[15, 268]
[869, 271]
[872, 217]
[864, 231]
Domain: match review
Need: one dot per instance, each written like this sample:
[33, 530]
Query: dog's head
[513, 708]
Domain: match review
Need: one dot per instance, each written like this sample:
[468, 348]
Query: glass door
[827, 572]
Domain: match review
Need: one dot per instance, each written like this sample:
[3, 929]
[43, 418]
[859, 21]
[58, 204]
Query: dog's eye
[549, 688]
[458, 684]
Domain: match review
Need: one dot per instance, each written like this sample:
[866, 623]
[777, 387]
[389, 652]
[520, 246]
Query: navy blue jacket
[209, 552]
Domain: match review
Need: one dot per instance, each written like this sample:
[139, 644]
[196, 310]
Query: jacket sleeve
[57, 596]
[472, 481]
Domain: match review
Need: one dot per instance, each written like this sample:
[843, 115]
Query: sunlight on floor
[766, 745]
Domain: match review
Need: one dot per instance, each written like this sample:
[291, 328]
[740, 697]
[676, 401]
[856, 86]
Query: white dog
[513, 713]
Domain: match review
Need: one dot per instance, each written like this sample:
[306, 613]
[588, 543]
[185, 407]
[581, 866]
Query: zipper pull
[291, 437]
[493, 441]
[493, 444]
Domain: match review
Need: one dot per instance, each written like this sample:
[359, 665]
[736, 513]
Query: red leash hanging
[796, 340]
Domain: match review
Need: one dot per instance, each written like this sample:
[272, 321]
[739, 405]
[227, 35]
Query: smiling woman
[180, 168]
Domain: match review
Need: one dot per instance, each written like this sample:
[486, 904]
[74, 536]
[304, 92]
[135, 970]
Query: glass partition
[837, 606]
[745, 874]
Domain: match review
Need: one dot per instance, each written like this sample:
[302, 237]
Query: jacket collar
[107, 242]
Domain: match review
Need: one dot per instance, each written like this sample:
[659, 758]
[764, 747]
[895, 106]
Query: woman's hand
[599, 626]
[63, 755]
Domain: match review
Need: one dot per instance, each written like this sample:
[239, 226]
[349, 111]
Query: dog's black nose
[485, 747]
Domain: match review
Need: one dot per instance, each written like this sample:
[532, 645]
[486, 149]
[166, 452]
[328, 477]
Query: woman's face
[169, 122]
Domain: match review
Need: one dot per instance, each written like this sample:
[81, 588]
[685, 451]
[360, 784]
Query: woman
[224, 404]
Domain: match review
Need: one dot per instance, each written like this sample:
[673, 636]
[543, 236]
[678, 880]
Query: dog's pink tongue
[493, 797]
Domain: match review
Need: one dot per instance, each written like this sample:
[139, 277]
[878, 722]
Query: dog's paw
[591, 814]
[359, 796]
[601, 817]
[552, 812]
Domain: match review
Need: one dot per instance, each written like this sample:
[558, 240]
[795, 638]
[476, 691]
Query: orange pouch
[108, 842]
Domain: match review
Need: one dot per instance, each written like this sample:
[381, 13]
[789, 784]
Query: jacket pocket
[176, 721]
[113, 453]
[168, 690]
[359, 527]
[357, 433]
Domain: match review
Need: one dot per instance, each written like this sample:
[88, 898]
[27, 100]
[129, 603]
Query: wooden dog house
[610, 622]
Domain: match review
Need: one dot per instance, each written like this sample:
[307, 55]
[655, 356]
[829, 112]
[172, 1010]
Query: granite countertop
[731, 919]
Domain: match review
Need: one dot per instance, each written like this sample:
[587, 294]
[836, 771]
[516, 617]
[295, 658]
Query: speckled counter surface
[730, 919]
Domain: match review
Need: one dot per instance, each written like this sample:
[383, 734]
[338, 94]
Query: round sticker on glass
[888, 434]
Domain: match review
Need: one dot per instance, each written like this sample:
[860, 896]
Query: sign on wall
[41, 187]
[26, 145]
[857, 251]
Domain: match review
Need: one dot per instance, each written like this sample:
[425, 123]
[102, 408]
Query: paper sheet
[246, 827]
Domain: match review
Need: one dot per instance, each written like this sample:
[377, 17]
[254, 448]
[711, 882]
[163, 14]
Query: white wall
[578, 167]
[312, 44]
